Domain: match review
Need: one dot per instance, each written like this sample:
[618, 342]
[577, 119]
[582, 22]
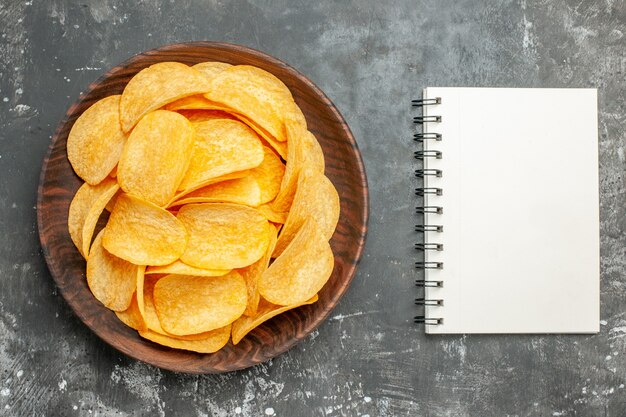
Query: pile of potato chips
[220, 212]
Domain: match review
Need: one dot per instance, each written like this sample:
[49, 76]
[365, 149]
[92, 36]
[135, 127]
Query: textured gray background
[371, 59]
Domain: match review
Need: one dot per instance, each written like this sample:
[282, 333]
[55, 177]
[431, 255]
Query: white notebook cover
[520, 210]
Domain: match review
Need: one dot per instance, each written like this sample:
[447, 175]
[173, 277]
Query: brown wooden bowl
[344, 167]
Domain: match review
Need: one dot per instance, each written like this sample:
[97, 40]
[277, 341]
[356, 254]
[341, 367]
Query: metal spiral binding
[421, 173]
[427, 321]
[428, 209]
[426, 101]
[428, 228]
[429, 265]
[428, 154]
[425, 302]
[429, 246]
[421, 137]
[426, 119]
[425, 283]
[423, 191]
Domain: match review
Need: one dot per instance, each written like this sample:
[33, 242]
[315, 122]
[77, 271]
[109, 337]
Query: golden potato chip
[94, 214]
[143, 233]
[314, 154]
[190, 305]
[157, 85]
[197, 102]
[111, 280]
[216, 180]
[156, 156]
[279, 147]
[264, 135]
[223, 235]
[294, 113]
[315, 197]
[304, 152]
[301, 270]
[197, 116]
[244, 191]
[141, 274]
[193, 107]
[283, 200]
[221, 147]
[268, 212]
[180, 268]
[211, 342]
[268, 175]
[96, 140]
[211, 68]
[131, 316]
[111, 203]
[251, 274]
[255, 93]
[113, 173]
[150, 316]
[245, 324]
[86, 206]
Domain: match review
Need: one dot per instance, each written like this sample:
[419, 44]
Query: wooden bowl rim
[358, 245]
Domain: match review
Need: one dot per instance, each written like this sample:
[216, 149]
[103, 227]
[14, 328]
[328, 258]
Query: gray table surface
[371, 59]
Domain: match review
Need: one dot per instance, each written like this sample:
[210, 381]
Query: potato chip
[180, 268]
[304, 152]
[197, 102]
[255, 93]
[111, 203]
[275, 217]
[223, 235]
[268, 175]
[152, 322]
[150, 316]
[86, 206]
[244, 191]
[251, 274]
[94, 214]
[190, 305]
[221, 147]
[211, 342]
[193, 106]
[314, 154]
[156, 156]
[315, 197]
[245, 324]
[96, 140]
[226, 177]
[131, 316]
[111, 280]
[211, 68]
[294, 113]
[143, 233]
[266, 137]
[157, 85]
[284, 198]
[197, 116]
[301, 270]
[141, 274]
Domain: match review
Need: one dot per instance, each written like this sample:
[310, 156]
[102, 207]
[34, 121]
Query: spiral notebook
[510, 210]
